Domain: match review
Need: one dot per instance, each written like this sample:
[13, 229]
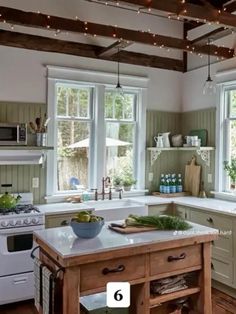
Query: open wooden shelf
[157, 300]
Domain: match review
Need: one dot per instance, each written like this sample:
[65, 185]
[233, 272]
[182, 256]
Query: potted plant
[128, 181]
[117, 182]
[230, 168]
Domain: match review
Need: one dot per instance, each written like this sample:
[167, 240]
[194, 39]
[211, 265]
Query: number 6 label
[118, 294]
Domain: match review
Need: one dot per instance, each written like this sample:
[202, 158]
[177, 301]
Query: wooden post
[71, 292]
[204, 303]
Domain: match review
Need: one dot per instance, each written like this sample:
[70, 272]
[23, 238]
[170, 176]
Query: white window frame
[100, 81]
[226, 81]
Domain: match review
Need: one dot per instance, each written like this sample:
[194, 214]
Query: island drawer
[96, 275]
[175, 259]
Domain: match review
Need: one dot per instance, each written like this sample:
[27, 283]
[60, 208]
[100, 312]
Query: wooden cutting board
[131, 229]
[192, 177]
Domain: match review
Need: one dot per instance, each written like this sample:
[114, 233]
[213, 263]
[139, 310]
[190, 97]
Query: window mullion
[99, 138]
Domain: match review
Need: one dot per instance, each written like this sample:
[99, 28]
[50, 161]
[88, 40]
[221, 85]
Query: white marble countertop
[65, 243]
[210, 204]
[63, 208]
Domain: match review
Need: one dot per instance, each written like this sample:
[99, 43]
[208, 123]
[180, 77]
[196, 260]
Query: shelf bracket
[205, 156]
[154, 155]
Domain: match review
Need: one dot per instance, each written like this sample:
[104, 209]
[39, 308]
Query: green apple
[83, 218]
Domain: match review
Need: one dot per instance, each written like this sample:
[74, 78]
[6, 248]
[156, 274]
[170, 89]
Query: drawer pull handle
[210, 220]
[176, 258]
[64, 223]
[119, 269]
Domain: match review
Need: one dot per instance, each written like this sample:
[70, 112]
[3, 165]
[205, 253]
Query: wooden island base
[138, 264]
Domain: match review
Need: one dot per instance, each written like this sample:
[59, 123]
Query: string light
[148, 31]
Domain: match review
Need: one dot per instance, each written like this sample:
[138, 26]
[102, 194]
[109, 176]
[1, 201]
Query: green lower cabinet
[96, 304]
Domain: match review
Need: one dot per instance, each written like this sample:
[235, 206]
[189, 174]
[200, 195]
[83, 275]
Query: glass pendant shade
[209, 87]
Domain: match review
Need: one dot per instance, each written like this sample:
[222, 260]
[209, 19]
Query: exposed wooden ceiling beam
[33, 42]
[112, 49]
[15, 16]
[230, 6]
[219, 32]
[188, 10]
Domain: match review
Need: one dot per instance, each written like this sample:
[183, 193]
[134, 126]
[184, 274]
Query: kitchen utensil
[33, 127]
[188, 140]
[38, 124]
[202, 193]
[192, 177]
[196, 142]
[130, 229]
[166, 140]
[177, 140]
[201, 134]
[8, 201]
[159, 141]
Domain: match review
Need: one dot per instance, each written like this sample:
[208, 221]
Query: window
[120, 117]
[227, 136]
[94, 132]
[73, 127]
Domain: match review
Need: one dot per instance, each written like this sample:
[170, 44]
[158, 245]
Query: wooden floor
[222, 304]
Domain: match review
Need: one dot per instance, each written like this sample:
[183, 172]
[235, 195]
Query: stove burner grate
[20, 209]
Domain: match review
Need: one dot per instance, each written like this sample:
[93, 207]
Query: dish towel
[37, 283]
[48, 291]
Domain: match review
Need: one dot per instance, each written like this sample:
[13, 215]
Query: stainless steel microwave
[13, 134]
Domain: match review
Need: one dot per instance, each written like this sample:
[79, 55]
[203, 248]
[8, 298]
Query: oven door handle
[19, 281]
[18, 134]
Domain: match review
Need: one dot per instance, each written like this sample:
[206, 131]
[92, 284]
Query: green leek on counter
[160, 222]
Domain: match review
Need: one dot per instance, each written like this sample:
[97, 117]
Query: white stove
[23, 215]
[16, 243]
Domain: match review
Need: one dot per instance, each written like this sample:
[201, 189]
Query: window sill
[227, 196]
[58, 198]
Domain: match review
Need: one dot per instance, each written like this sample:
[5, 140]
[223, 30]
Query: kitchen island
[140, 258]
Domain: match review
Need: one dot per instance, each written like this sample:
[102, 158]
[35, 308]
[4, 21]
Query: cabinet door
[222, 270]
[53, 221]
[224, 245]
[181, 211]
[164, 209]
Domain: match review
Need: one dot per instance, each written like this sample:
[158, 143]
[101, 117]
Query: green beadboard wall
[21, 176]
[168, 162]
[158, 122]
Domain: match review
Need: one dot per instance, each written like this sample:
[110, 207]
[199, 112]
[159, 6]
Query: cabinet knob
[64, 223]
[119, 269]
[210, 220]
[176, 258]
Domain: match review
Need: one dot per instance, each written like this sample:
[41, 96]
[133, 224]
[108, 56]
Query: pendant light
[209, 86]
[119, 89]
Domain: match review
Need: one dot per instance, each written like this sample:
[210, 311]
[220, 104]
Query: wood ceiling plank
[214, 35]
[30, 19]
[113, 49]
[39, 43]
